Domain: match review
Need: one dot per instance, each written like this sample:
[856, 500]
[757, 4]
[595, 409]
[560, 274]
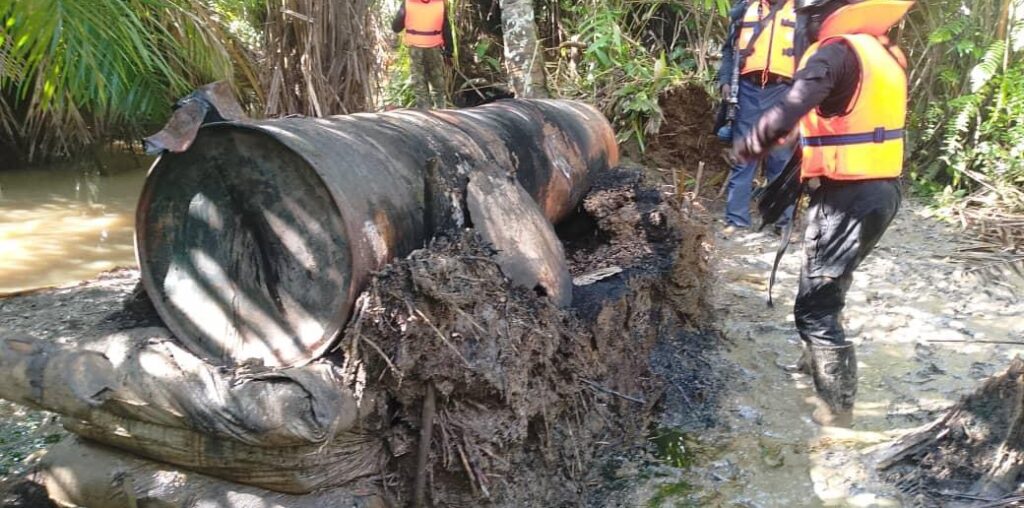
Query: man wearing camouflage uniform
[428, 35]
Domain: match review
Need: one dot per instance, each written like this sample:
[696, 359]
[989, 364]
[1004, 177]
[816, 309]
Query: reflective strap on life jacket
[424, 22]
[879, 135]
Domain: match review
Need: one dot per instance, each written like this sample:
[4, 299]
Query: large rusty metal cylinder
[255, 242]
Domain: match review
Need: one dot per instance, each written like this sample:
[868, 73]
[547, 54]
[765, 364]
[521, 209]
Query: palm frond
[73, 71]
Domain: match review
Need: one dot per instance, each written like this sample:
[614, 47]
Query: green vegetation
[967, 117]
[634, 51]
[966, 98]
[74, 73]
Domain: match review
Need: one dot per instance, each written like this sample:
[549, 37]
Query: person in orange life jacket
[762, 42]
[849, 99]
[428, 34]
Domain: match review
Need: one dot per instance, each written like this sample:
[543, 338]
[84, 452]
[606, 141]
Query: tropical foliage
[967, 116]
[618, 54]
[72, 72]
[967, 102]
[622, 55]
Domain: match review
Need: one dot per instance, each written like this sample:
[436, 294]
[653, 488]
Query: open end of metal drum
[243, 249]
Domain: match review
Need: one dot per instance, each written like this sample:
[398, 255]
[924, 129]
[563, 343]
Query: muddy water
[923, 328]
[67, 223]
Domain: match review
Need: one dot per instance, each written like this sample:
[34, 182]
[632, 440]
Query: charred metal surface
[256, 241]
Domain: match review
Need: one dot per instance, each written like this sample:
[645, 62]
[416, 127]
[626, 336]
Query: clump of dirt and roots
[974, 455]
[687, 133]
[520, 400]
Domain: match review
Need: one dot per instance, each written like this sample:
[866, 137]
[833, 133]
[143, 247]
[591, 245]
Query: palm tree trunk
[524, 57]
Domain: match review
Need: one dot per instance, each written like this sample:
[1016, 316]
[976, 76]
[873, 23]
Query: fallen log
[975, 450]
[255, 242]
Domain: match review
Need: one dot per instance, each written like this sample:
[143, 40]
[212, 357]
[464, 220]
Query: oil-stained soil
[534, 402]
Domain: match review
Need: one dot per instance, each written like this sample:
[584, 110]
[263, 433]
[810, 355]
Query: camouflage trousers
[426, 68]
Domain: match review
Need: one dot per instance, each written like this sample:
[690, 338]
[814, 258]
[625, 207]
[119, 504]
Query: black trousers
[845, 221]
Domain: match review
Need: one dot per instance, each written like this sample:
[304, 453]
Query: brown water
[66, 223]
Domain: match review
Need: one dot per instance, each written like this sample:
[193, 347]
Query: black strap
[417, 32]
[758, 28]
[787, 233]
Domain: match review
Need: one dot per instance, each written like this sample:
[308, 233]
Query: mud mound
[518, 399]
[624, 224]
[686, 136]
[973, 455]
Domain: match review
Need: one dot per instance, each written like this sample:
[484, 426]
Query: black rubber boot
[834, 369]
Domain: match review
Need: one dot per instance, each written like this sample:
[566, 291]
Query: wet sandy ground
[925, 333]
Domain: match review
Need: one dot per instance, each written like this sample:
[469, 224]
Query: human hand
[726, 89]
[742, 150]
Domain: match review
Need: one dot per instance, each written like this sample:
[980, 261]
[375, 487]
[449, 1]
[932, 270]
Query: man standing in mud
[762, 43]
[849, 99]
[428, 34]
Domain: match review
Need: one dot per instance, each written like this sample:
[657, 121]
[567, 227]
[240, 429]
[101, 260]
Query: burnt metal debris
[255, 238]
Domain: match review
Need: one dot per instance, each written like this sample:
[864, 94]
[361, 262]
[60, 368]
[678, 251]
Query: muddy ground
[927, 333]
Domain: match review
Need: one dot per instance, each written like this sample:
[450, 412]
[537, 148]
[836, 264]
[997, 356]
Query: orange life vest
[772, 51]
[866, 141]
[424, 21]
